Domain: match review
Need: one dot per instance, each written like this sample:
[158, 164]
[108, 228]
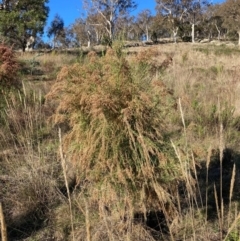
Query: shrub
[8, 68]
[8, 75]
[118, 134]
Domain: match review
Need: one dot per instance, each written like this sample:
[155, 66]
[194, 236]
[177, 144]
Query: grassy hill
[138, 143]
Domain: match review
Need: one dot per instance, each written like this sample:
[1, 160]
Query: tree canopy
[21, 19]
[56, 29]
[230, 13]
[109, 10]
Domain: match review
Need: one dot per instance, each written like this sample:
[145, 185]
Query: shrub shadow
[210, 180]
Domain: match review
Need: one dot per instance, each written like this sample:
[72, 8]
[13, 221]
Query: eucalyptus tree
[195, 13]
[95, 28]
[56, 30]
[136, 30]
[144, 21]
[230, 12]
[159, 26]
[124, 28]
[88, 31]
[22, 19]
[173, 11]
[214, 21]
[79, 31]
[109, 11]
[178, 12]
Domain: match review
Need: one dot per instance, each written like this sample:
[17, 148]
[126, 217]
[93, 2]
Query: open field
[138, 143]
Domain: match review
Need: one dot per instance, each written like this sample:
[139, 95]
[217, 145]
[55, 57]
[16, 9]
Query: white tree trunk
[175, 32]
[147, 35]
[97, 37]
[239, 37]
[193, 33]
[89, 39]
[30, 43]
[110, 29]
[219, 32]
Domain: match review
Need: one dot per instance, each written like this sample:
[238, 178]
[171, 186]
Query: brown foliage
[154, 61]
[8, 67]
[118, 127]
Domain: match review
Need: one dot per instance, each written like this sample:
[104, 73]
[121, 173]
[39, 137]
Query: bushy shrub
[8, 75]
[118, 134]
[8, 67]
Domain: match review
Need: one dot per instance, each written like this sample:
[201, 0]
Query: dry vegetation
[135, 144]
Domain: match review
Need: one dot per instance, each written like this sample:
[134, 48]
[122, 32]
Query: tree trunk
[193, 33]
[147, 35]
[23, 44]
[54, 42]
[175, 32]
[111, 31]
[89, 38]
[219, 32]
[97, 37]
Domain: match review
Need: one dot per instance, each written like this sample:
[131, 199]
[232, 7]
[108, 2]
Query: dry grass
[3, 225]
[29, 173]
[150, 146]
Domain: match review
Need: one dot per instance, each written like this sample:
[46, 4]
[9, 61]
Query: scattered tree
[22, 19]
[230, 12]
[213, 22]
[179, 12]
[173, 11]
[195, 10]
[79, 31]
[143, 20]
[109, 11]
[56, 29]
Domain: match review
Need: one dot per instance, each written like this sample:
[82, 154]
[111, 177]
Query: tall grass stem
[3, 225]
[63, 162]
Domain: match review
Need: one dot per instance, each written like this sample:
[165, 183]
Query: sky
[71, 10]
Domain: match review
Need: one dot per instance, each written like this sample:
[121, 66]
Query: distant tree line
[187, 20]
[107, 20]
